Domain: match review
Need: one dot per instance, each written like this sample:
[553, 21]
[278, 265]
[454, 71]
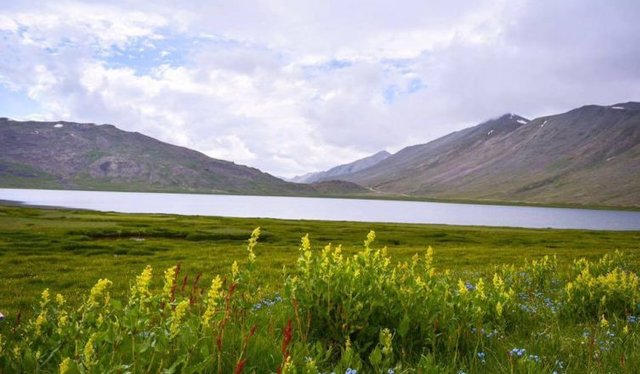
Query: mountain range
[586, 156]
[589, 155]
[68, 155]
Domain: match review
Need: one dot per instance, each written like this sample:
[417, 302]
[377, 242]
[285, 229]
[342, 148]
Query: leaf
[375, 357]
[404, 326]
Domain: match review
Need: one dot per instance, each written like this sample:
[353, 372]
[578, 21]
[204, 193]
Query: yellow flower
[288, 366]
[63, 318]
[499, 308]
[603, 322]
[337, 255]
[480, 289]
[98, 292]
[235, 271]
[59, 300]
[498, 283]
[371, 236]
[169, 281]
[65, 365]
[40, 320]
[305, 243]
[386, 339]
[212, 300]
[89, 351]
[176, 317]
[140, 290]
[253, 240]
[45, 298]
[625, 330]
[462, 288]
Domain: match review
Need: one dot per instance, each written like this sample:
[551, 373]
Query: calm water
[330, 209]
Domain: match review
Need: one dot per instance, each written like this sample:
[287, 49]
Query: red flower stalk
[240, 366]
[184, 282]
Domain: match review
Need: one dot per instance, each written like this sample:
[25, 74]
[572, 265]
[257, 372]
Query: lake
[330, 209]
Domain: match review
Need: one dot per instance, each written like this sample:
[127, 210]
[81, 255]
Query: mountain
[589, 155]
[68, 155]
[338, 171]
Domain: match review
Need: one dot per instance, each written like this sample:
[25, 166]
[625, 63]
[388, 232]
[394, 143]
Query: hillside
[589, 155]
[340, 170]
[67, 155]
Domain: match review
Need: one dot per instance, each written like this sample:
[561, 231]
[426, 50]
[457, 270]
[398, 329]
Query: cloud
[292, 87]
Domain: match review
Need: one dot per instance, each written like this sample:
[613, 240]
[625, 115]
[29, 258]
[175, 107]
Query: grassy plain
[68, 250]
[376, 311]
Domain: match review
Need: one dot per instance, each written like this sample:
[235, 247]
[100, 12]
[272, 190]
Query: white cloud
[291, 87]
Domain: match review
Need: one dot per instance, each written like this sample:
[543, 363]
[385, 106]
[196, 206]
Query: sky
[296, 86]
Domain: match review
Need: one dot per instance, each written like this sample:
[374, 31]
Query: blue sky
[293, 87]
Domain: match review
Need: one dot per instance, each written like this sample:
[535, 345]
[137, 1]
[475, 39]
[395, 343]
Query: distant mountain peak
[338, 171]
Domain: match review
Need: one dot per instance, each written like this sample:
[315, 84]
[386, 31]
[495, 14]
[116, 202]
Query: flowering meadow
[339, 312]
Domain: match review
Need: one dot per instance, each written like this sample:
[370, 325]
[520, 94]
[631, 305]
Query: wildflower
[371, 236]
[288, 367]
[480, 288]
[391, 371]
[45, 298]
[65, 365]
[176, 317]
[1, 317]
[212, 300]
[169, 281]
[98, 291]
[462, 289]
[351, 371]
[310, 365]
[253, 240]
[632, 319]
[429, 257]
[337, 255]
[499, 308]
[534, 358]
[63, 318]
[59, 300]
[140, 290]
[235, 271]
[481, 357]
[385, 339]
[603, 322]
[625, 330]
[498, 283]
[89, 351]
[40, 321]
[518, 352]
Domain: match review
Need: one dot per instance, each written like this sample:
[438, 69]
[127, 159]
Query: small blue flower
[481, 356]
[518, 352]
[632, 319]
[351, 371]
[534, 358]
[391, 371]
[470, 287]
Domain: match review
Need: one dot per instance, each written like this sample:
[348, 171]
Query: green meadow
[472, 304]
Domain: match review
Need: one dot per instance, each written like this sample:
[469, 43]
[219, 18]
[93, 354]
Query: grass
[370, 311]
[70, 249]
